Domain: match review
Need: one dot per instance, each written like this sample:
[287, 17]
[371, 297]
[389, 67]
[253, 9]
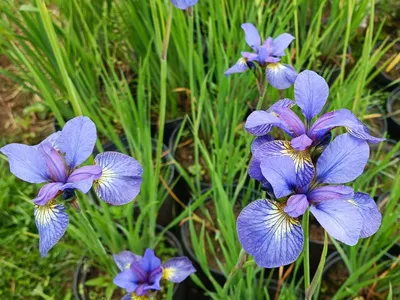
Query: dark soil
[333, 279]
[184, 154]
[209, 209]
[23, 117]
[317, 232]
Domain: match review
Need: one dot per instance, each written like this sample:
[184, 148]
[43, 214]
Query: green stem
[315, 284]
[306, 252]
[236, 268]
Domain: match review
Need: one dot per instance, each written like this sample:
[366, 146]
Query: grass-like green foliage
[104, 59]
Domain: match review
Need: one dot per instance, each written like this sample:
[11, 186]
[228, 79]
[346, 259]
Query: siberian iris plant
[267, 55]
[307, 172]
[141, 275]
[308, 140]
[270, 231]
[116, 177]
[184, 4]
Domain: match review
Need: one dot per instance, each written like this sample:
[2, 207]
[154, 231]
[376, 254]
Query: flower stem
[239, 264]
[306, 253]
[103, 253]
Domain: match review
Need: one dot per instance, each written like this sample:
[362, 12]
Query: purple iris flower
[270, 231]
[116, 177]
[267, 55]
[139, 275]
[184, 4]
[311, 92]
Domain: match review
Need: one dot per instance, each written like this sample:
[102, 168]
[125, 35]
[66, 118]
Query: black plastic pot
[394, 120]
[383, 79]
[381, 130]
[83, 269]
[170, 127]
[168, 209]
[185, 238]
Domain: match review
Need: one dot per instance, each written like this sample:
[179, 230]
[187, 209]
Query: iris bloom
[270, 231]
[268, 56]
[140, 275]
[116, 177]
[308, 140]
[184, 4]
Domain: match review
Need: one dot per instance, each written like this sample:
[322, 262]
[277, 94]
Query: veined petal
[52, 222]
[280, 43]
[302, 160]
[331, 192]
[252, 36]
[240, 66]
[345, 118]
[260, 122]
[83, 178]
[258, 141]
[271, 236]
[77, 140]
[184, 4]
[343, 160]
[281, 76]
[177, 269]
[48, 192]
[301, 142]
[26, 162]
[311, 92]
[296, 205]
[51, 139]
[120, 180]
[371, 217]
[292, 121]
[125, 258]
[255, 173]
[340, 219]
[127, 279]
[280, 173]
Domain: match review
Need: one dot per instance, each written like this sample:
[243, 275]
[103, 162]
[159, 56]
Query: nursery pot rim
[394, 95]
[80, 277]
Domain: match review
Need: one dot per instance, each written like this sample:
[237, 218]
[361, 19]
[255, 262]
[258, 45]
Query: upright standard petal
[270, 235]
[296, 205]
[240, 66]
[83, 178]
[281, 76]
[284, 103]
[77, 140]
[120, 180]
[48, 192]
[260, 122]
[252, 36]
[371, 216]
[280, 43]
[292, 121]
[280, 173]
[310, 92]
[26, 162]
[150, 261]
[177, 269]
[343, 160]
[124, 259]
[184, 4]
[52, 222]
[340, 219]
[345, 118]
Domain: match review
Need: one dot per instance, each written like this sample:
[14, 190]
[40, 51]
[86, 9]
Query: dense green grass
[108, 60]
